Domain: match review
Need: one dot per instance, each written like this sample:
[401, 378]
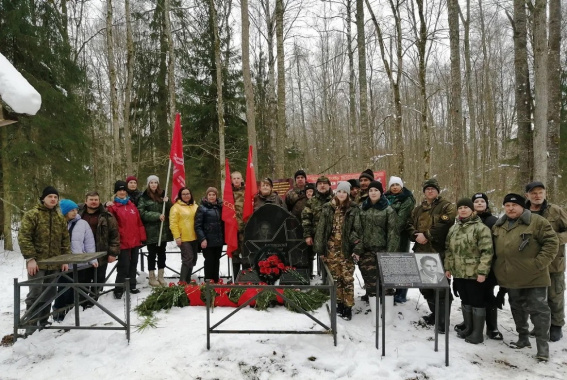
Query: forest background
[473, 92]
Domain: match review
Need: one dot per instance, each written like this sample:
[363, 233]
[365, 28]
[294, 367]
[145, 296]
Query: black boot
[523, 341]
[478, 320]
[468, 321]
[235, 270]
[442, 316]
[555, 333]
[542, 350]
[347, 313]
[492, 324]
[430, 318]
[185, 273]
[340, 308]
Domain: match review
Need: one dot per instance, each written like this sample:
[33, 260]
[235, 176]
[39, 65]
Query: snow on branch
[16, 91]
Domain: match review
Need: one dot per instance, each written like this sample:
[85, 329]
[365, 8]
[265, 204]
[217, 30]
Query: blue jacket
[82, 238]
[208, 223]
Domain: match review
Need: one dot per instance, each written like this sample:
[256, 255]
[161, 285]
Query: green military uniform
[295, 200]
[43, 234]
[150, 212]
[311, 212]
[273, 198]
[337, 238]
[238, 207]
[524, 248]
[403, 204]
[380, 234]
[557, 217]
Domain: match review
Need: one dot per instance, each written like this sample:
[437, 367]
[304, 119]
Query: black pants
[471, 292]
[67, 298]
[159, 251]
[126, 267]
[212, 257]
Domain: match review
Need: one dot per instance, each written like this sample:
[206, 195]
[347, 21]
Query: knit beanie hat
[354, 183]
[465, 202]
[368, 173]
[67, 205]
[324, 180]
[300, 172]
[514, 198]
[310, 186]
[47, 191]
[343, 186]
[431, 182]
[131, 178]
[480, 195]
[268, 180]
[394, 180]
[152, 178]
[212, 190]
[376, 185]
[120, 185]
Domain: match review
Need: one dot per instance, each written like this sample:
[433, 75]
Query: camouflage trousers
[531, 302]
[556, 298]
[342, 270]
[368, 265]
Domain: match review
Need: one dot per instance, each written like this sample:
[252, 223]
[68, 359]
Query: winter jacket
[182, 221]
[43, 234]
[273, 198]
[295, 200]
[208, 223]
[403, 204]
[130, 227]
[310, 214]
[150, 212]
[557, 217]
[82, 238]
[239, 205]
[107, 237]
[380, 226]
[524, 251]
[434, 221]
[487, 218]
[134, 196]
[469, 249]
[351, 230]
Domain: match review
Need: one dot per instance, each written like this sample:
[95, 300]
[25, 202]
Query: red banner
[251, 187]
[336, 178]
[176, 157]
[229, 214]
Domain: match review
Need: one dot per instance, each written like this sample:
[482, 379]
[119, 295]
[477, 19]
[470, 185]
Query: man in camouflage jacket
[43, 235]
[295, 199]
[238, 193]
[428, 226]
[524, 245]
[557, 217]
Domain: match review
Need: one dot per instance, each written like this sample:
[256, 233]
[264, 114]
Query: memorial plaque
[411, 270]
[274, 226]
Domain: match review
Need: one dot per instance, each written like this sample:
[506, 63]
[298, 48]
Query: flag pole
[163, 210]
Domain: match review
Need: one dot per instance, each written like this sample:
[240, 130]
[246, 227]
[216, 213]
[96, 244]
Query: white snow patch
[16, 91]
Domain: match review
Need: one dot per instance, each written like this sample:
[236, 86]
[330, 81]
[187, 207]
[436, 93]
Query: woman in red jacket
[132, 234]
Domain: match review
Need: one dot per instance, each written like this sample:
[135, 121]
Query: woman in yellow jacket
[182, 226]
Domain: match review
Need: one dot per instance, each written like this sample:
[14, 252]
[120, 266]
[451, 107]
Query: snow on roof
[16, 91]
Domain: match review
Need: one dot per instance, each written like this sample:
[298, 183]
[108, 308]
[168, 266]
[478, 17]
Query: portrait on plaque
[431, 271]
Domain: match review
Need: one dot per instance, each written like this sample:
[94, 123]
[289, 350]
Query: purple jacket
[82, 238]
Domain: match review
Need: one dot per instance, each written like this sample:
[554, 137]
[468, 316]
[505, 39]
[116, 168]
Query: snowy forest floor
[176, 348]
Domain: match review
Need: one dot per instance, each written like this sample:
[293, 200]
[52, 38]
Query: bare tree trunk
[540, 88]
[301, 107]
[115, 170]
[248, 87]
[128, 89]
[523, 92]
[363, 85]
[554, 98]
[455, 103]
[220, 103]
[353, 132]
[170, 63]
[271, 124]
[281, 126]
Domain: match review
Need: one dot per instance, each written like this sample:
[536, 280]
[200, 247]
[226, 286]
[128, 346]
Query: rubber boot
[478, 320]
[430, 318]
[521, 321]
[347, 313]
[161, 280]
[492, 324]
[340, 308]
[542, 350]
[184, 275]
[555, 333]
[153, 281]
[461, 326]
[372, 302]
[468, 321]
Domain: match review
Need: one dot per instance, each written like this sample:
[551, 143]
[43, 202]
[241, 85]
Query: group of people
[522, 251]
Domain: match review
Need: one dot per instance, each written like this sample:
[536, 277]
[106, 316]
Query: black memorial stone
[274, 226]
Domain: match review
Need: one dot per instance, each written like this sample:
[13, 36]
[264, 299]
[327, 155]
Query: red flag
[229, 214]
[176, 157]
[251, 188]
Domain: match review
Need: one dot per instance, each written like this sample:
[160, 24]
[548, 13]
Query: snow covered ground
[177, 347]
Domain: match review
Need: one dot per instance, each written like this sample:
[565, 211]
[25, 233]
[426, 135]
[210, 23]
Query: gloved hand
[500, 298]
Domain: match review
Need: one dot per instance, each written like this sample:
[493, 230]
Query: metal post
[76, 294]
[127, 290]
[447, 313]
[16, 308]
[334, 312]
[208, 301]
[375, 316]
[437, 320]
[383, 299]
